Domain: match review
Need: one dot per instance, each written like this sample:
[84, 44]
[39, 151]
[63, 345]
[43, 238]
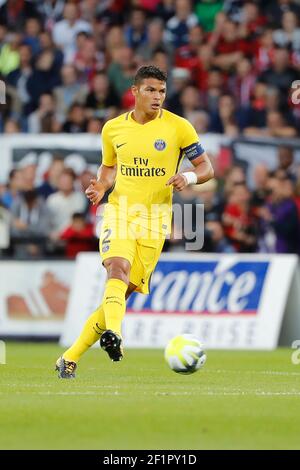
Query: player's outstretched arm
[99, 186]
[202, 172]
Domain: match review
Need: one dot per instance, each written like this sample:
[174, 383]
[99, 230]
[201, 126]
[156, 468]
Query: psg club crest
[160, 144]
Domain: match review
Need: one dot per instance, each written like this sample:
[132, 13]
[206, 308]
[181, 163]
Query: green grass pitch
[247, 400]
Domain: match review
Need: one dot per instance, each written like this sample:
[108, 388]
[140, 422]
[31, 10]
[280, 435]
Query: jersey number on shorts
[106, 241]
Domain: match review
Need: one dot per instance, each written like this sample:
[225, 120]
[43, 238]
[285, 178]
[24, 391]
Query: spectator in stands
[69, 92]
[51, 12]
[216, 84]
[297, 197]
[148, 5]
[3, 33]
[189, 101]
[264, 98]
[277, 9]
[15, 185]
[165, 9]
[160, 59]
[11, 126]
[281, 74]
[121, 70]
[78, 236]
[187, 55]
[204, 67]
[15, 12]
[47, 45]
[228, 119]
[102, 102]
[3, 188]
[179, 25]
[45, 76]
[38, 119]
[286, 162]
[94, 126]
[90, 9]
[229, 47]
[252, 22]
[279, 220]
[188, 205]
[265, 50]
[64, 203]
[289, 34]
[65, 31]
[214, 36]
[184, 220]
[234, 176]
[239, 221]
[261, 178]
[114, 41]
[28, 167]
[9, 54]
[112, 11]
[155, 41]
[30, 225]
[18, 80]
[180, 78]
[31, 34]
[50, 185]
[241, 85]
[200, 121]
[208, 195]
[87, 63]
[215, 239]
[76, 121]
[206, 12]
[276, 126]
[4, 229]
[100, 31]
[136, 30]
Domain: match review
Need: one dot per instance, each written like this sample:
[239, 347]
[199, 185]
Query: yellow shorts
[141, 247]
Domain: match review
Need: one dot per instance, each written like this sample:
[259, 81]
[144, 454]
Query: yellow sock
[91, 332]
[114, 304]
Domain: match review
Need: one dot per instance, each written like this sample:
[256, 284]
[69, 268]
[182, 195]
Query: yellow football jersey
[147, 155]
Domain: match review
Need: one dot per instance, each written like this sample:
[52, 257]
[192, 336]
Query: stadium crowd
[68, 67]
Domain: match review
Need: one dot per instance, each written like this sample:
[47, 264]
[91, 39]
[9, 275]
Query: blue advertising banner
[204, 287]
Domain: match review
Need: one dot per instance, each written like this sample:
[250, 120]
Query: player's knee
[118, 270]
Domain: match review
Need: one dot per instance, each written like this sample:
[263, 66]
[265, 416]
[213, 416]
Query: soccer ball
[185, 354]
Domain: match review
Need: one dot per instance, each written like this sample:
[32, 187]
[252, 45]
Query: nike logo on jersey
[120, 145]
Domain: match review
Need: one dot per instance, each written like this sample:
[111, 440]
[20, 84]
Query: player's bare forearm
[203, 172]
[107, 175]
[203, 169]
[97, 188]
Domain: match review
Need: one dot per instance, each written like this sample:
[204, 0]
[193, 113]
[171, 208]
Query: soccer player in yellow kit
[142, 152]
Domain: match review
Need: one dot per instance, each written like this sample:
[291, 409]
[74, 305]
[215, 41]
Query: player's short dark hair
[149, 71]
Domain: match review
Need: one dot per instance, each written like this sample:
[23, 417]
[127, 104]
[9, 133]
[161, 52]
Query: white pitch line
[54, 384]
[76, 393]
[259, 372]
[237, 393]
